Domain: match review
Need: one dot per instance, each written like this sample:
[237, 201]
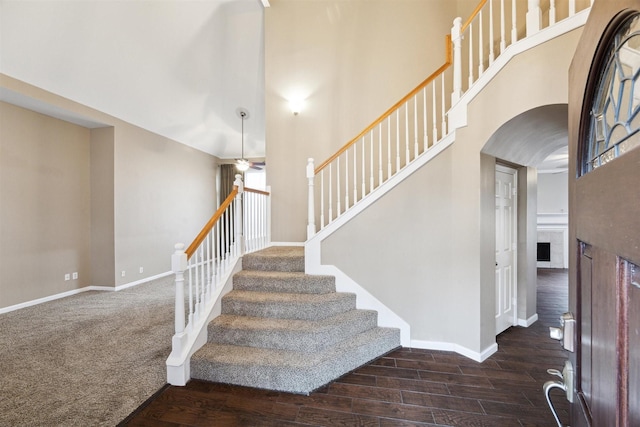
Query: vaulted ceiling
[179, 68]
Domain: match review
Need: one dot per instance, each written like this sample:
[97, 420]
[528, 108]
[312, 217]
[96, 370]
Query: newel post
[311, 217]
[456, 39]
[238, 217]
[534, 17]
[178, 266]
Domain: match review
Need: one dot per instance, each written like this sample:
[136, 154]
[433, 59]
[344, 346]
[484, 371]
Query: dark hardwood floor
[408, 387]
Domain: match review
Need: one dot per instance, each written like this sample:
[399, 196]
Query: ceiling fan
[243, 164]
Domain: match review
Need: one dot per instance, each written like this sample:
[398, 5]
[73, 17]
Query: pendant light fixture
[242, 164]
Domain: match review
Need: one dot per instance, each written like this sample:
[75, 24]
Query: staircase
[281, 329]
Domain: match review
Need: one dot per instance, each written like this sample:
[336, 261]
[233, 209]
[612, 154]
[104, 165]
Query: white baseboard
[528, 322]
[80, 290]
[456, 348]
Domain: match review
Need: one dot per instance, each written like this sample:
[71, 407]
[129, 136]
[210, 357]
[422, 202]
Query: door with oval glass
[604, 217]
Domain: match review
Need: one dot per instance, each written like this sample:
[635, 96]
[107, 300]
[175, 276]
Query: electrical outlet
[67, 277]
[123, 273]
[75, 275]
[141, 270]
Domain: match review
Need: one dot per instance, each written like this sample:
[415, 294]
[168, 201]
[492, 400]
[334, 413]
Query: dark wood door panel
[604, 335]
[608, 205]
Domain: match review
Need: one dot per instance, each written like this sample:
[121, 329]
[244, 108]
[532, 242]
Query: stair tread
[283, 281]
[285, 297]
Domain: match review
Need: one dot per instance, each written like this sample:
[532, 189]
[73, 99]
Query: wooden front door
[604, 217]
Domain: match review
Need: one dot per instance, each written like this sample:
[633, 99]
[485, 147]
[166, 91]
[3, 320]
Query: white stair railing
[420, 120]
[239, 226]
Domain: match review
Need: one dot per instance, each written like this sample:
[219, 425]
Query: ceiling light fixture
[242, 164]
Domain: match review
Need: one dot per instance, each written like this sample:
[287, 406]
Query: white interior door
[506, 247]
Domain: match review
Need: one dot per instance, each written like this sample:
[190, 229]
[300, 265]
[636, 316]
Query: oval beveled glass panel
[615, 118]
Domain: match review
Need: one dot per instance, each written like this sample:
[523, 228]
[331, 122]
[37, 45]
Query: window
[614, 116]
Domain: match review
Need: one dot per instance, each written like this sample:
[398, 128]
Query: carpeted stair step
[287, 370]
[275, 258]
[287, 305]
[283, 281]
[290, 334]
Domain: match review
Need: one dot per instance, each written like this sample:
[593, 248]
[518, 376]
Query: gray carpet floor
[85, 360]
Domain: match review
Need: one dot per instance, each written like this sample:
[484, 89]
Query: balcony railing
[420, 120]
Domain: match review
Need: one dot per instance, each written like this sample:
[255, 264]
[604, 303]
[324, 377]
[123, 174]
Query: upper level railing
[240, 225]
[417, 122]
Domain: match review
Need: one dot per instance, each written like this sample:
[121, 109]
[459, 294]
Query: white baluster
[330, 193]
[388, 147]
[480, 46]
[346, 179]
[514, 27]
[456, 38]
[371, 183]
[534, 17]
[208, 246]
[416, 149]
[572, 7]
[470, 55]
[322, 222]
[503, 43]
[192, 303]
[239, 230]
[338, 191]
[397, 140]
[203, 289]
[434, 138]
[355, 174]
[492, 40]
[196, 289]
[425, 124]
[552, 12]
[311, 215]
[380, 174]
[406, 133]
[444, 112]
[363, 189]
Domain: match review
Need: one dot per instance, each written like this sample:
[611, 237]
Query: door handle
[566, 332]
[565, 385]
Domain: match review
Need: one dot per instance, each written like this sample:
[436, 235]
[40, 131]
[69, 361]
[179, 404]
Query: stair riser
[271, 263]
[283, 310]
[306, 285]
[306, 340]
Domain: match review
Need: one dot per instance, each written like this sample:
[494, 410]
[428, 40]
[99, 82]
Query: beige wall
[351, 60]
[97, 201]
[102, 207]
[45, 211]
[391, 248]
[165, 192]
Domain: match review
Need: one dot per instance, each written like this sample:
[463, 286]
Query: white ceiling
[536, 138]
[179, 68]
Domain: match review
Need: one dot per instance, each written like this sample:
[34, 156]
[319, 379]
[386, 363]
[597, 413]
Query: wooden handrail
[473, 15]
[216, 216]
[253, 190]
[432, 77]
